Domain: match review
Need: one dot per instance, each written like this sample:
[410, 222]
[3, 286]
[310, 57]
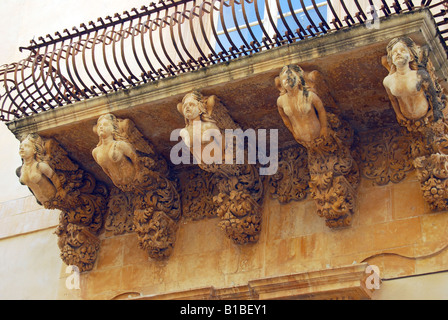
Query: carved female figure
[116, 156]
[408, 85]
[35, 172]
[302, 110]
[200, 128]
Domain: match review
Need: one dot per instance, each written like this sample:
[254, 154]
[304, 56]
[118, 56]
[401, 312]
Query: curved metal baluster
[106, 64]
[204, 35]
[54, 74]
[273, 23]
[174, 22]
[138, 29]
[86, 68]
[75, 69]
[46, 64]
[282, 17]
[24, 79]
[9, 93]
[246, 21]
[235, 21]
[309, 19]
[35, 81]
[116, 37]
[154, 51]
[349, 16]
[224, 27]
[126, 33]
[193, 34]
[335, 16]
[182, 18]
[324, 22]
[76, 89]
[145, 53]
[98, 40]
[163, 45]
[301, 28]
[260, 23]
[215, 34]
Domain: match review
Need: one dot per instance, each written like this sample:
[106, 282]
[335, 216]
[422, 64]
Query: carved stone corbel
[58, 183]
[420, 106]
[134, 168]
[334, 175]
[239, 186]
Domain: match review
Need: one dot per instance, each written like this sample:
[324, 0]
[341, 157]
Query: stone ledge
[344, 283]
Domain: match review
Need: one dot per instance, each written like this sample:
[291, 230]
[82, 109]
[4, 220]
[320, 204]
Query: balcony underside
[349, 60]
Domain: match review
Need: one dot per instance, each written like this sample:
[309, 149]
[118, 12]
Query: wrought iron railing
[170, 38]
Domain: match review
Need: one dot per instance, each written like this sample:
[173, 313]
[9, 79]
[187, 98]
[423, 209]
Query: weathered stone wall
[392, 228]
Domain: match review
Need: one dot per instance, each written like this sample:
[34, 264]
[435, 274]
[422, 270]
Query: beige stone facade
[297, 253]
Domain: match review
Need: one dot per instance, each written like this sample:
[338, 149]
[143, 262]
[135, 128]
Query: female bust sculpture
[116, 156]
[35, 172]
[200, 128]
[302, 110]
[409, 85]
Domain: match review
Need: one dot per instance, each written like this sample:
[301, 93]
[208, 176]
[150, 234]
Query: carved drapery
[59, 183]
[239, 188]
[334, 174]
[143, 178]
[420, 106]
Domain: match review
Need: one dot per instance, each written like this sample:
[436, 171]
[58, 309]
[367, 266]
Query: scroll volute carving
[239, 186]
[142, 175]
[58, 183]
[334, 174]
[420, 106]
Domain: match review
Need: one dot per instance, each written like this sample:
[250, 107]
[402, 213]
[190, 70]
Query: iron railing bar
[107, 25]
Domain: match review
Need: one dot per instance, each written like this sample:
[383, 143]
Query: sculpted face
[191, 108]
[400, 54]
[26, 149]
[288, 79]
[104, 127]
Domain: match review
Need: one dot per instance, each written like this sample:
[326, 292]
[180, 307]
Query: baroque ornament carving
[420, 106]
[334, 174]
[58, 183]
[291, 181]
[385, 155]
[239, 186]
[198, 190]
[143, 176]
[120, 213]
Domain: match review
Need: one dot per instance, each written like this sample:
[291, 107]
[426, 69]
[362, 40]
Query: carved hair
[300, 74]
[413, 49]
[38, 146]
[203, 112]
[116, 134]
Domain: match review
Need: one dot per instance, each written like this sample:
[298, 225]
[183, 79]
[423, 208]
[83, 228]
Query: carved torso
[302, 116]
[114, 162]
[32, 176]
[408, 91]
[204, 141]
